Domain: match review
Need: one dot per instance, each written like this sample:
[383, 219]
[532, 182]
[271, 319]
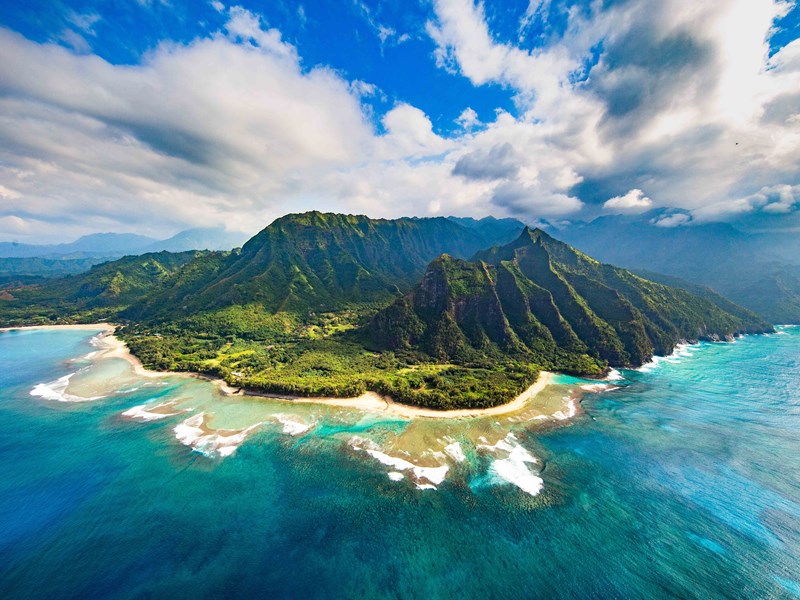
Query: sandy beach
[113, 347]
[373, 402]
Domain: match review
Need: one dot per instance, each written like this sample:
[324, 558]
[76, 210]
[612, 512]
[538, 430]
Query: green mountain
[312, 262]
[493, 231]
[538, 299]
[301, 264]
[100, 293]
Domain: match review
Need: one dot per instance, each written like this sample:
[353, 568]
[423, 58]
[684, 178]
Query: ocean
[681, 479]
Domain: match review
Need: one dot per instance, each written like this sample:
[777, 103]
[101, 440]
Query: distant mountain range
[425, 310]
[301, 263]
[758, 271]
[31, 262]
[121, 244]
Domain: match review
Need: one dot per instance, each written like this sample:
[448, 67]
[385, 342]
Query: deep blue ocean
[684, 482]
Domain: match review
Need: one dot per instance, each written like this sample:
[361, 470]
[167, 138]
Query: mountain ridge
[737, 264]
[539, 298]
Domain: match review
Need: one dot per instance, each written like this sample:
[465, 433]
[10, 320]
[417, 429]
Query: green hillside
[99, 294]
[315, 261]
[538, 299]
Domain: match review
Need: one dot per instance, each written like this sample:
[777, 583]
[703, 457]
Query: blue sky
[155, 115]
[362, 40]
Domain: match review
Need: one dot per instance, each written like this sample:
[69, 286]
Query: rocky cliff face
[540, 300]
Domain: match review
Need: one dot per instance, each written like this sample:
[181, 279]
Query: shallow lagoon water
[684, 482]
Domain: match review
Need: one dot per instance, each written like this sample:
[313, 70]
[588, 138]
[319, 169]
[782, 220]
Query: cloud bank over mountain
[617, 107]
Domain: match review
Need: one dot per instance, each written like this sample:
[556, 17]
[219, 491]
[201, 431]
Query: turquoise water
[685, 482]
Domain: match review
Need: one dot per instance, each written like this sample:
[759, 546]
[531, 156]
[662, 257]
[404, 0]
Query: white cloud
[210, 132]
[362, 88]
[633, 202]
[410, 132]
[75, 41]
[246, 26]
[468, 118]
[8, 193]
[788, 58]
[84, 21]
[683, 97]
[672, 220]
[775, 199]
[230, 128]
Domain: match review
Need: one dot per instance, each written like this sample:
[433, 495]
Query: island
[428, 312]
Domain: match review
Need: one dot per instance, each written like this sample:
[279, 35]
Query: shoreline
[374, 402]
[91, 326]
[368, 401]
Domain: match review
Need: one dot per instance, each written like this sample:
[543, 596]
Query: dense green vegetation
[334, 365]
[541, 301]
[102, 293]
[316, 261]
[323, 305]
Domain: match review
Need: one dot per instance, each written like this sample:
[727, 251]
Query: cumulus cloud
[211, 131]
[499, 162]
[529, 200]
[680, 99]
[468, 118]
[410, 131]
[672, 220]
[633, 202]
[775, 199]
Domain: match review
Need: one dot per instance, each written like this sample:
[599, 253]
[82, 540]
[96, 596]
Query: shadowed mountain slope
[541, 299]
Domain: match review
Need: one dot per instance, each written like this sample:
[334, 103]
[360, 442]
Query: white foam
[599, 388]
[291, 425]
[190, 433]
[142, 414]
[514, 468]
[681, 351]
[518, 474]
[128, 390]
[433, 475]
[614, 375]
[395, 475]
[455, 452]
[652, 364]
[571, 411]
[504, 444]
[56, 391]
[594, 388]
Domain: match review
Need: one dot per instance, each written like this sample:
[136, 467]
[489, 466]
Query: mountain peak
[534, 234]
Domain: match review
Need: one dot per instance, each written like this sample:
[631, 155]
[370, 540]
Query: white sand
[373, 402]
